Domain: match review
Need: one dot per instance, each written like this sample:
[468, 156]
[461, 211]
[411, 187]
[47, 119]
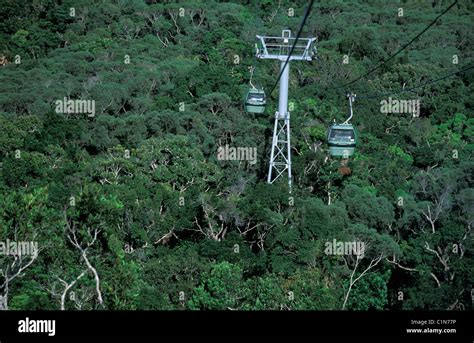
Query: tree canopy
[132, 208]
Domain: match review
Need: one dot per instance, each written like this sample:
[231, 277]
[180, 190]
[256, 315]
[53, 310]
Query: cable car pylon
[279, 48]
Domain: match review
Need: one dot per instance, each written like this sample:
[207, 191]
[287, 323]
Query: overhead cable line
[416, 87]
[411, 89]
[403, 47]
[335, 83]
[300, 30]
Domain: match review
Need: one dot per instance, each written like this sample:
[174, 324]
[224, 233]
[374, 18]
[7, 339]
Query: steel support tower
[279, 48]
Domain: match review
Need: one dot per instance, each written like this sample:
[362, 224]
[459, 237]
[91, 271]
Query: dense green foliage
[165, 224]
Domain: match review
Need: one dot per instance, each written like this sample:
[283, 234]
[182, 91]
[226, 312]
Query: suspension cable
[308, 10]
[419, 86]
[403, 47]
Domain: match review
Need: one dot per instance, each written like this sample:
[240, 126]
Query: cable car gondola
[255, 101]
[342, 138]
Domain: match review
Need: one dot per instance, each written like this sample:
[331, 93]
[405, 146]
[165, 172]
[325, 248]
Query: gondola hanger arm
[351, 97]
[252, 68]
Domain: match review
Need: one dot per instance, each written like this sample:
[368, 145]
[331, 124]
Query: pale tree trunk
[352, 281]
[11, 271]
[67, 287]
[72, 237]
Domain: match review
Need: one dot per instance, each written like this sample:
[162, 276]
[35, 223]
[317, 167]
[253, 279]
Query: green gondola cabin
[342, 140]
[255, 101]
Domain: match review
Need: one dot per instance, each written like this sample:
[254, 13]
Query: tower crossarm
[278, 48]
